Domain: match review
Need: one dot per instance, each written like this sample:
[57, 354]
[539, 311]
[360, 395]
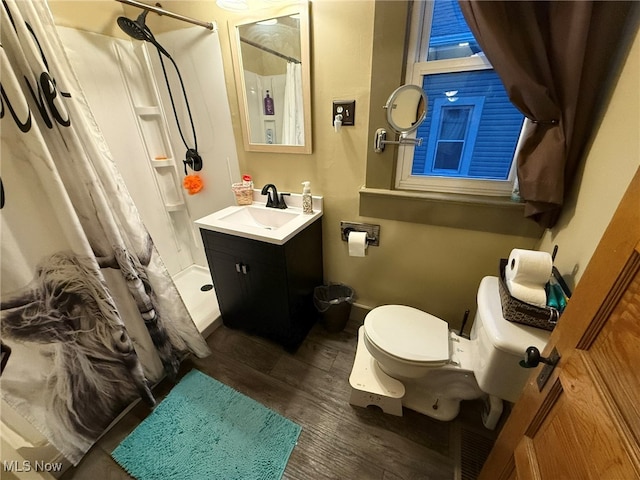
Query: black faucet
[275, 201]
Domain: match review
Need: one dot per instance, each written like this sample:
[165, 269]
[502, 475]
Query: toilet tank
[498, 345]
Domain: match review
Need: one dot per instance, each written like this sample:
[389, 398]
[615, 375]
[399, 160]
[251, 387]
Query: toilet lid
[408, 333]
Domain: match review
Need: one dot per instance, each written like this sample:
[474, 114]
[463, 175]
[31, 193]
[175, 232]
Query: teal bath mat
[205, 430]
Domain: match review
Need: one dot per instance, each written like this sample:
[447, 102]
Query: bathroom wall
[611, 162]
[434, 268]
[90, 16]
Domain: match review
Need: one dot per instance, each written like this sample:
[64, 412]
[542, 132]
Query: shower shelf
[175, 207]
[148, 111]
[162, 163]
[145, 100]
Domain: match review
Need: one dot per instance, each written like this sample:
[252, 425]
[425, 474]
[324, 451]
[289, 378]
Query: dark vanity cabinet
[267, 289]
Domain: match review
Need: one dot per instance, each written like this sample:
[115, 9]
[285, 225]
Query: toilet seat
[408, 334]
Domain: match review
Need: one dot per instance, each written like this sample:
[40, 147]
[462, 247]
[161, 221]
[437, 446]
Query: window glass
[454, 123]
[450, 36]
[448, 156]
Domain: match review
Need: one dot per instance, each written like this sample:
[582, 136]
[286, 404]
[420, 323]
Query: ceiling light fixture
[233, 5]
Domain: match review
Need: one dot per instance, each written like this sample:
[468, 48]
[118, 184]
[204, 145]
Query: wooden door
[585, 423]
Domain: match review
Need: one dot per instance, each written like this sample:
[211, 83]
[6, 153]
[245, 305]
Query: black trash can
[334, 304]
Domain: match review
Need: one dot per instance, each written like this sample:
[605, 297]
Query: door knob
[532, 358]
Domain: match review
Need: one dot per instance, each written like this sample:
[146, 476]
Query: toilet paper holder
[373, 231]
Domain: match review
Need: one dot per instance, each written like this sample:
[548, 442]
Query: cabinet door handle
[244, 269]
[238, 268]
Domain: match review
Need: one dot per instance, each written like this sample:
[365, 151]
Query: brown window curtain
[555, 59]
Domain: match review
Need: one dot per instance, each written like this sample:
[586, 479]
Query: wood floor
[311, 387]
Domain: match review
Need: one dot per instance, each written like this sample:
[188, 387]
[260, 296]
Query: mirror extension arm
[380, 140]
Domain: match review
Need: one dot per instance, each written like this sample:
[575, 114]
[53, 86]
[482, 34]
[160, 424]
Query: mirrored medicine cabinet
[271, 63]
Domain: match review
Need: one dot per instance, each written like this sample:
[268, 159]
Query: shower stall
[125, 89]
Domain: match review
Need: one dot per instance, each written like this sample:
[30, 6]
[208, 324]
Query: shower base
[201, 303]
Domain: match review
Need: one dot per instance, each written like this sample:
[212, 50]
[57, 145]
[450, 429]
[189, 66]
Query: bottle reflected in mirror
[268, 105]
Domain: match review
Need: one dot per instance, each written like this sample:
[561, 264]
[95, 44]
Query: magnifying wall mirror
[406, 110]
[271, 63]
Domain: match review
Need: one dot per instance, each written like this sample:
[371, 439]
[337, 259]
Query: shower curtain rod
[268, 50]
[161, 11]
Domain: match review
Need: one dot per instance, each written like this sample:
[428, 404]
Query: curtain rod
[161, 11]
[268, 50]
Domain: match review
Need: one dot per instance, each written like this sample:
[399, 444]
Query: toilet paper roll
[534, 295]
[357, 244]
[528, 267]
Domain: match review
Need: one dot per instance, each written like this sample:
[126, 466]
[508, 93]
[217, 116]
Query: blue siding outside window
[491, 138]
[450, 36]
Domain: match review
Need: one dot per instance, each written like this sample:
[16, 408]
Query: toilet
[409, 358]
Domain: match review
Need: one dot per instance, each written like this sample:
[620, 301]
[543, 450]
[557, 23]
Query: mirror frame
[301, 8]
[393, 100]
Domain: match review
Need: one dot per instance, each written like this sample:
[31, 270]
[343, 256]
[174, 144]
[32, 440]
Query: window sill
[469, 212]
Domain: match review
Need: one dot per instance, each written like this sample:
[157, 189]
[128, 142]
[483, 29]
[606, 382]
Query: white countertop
[230, 220]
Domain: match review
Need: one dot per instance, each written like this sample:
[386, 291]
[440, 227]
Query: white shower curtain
[90, 315]
[293, 120]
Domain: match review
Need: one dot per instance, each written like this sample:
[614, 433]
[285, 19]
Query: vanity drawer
[246, 248]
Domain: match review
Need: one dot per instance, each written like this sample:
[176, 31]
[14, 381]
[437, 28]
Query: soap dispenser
[307, 203]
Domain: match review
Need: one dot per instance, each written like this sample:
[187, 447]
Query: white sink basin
[258, 222]
[260, 217]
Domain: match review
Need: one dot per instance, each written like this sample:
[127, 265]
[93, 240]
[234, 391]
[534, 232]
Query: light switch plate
[346, 108]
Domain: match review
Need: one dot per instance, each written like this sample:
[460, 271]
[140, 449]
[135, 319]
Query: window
[452, 137]
[471, 132]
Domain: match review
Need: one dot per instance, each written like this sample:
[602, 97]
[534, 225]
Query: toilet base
[492, 412]
[440, 408]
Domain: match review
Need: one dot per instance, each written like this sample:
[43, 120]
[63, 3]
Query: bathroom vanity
[264, 280]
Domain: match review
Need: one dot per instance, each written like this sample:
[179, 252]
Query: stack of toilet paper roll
[526, 274]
